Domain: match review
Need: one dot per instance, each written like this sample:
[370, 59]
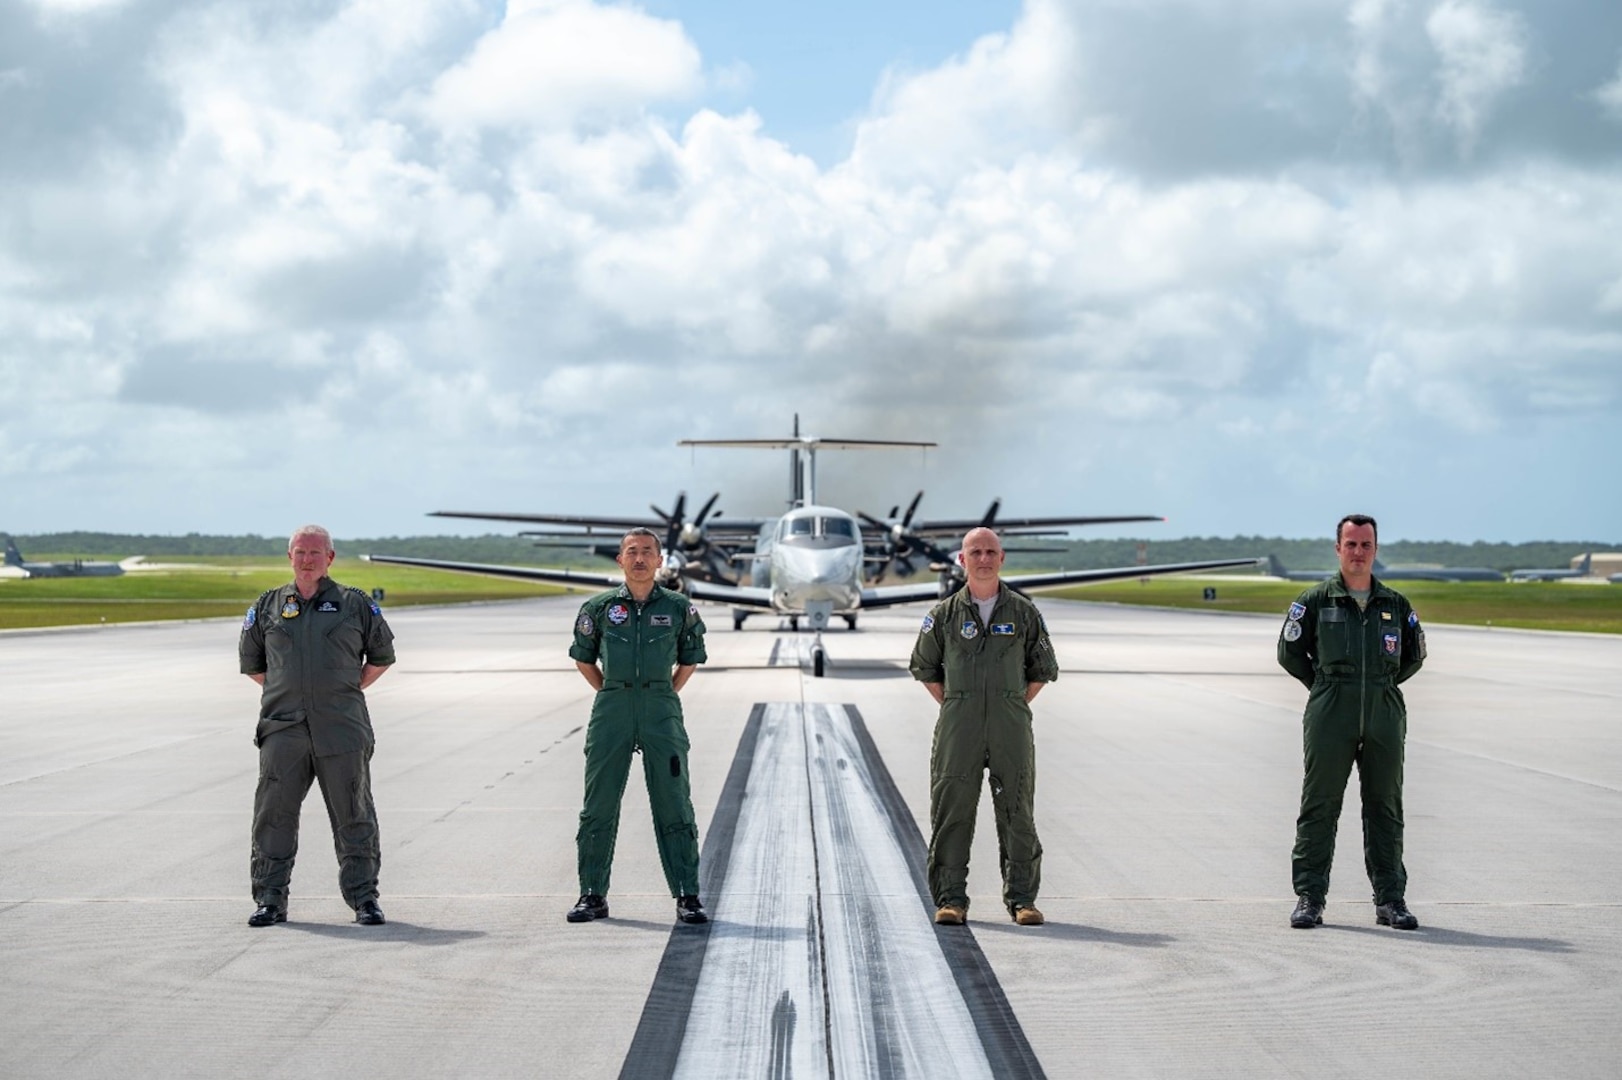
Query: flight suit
[313, 726]
[984, 725]
[1352, 661]
[639, 645]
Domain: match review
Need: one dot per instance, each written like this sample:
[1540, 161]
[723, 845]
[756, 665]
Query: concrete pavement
[1169, 766]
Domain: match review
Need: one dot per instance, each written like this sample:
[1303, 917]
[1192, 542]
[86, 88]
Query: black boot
[590, 906]
[1395, 915]
[1306, 914]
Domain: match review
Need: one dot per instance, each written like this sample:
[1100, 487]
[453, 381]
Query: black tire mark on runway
[659, 1033]
[1007, 1049]
[657, 1043]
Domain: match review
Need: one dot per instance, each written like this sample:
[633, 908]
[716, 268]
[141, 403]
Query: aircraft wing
[1001, 524]
[739, 525]
[738, 595]
[885, 595]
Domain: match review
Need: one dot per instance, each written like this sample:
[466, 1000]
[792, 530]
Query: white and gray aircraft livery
[811, 562]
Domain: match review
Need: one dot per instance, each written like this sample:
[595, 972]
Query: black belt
[1372, 680]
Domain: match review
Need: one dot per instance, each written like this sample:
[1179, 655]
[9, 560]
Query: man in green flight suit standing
[984, 654]
[1351, 641]
[637, 646]
[314, 646]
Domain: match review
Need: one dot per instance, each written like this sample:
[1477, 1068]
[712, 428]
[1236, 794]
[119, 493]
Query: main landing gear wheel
[819, 661]
[850, 621]
[794, 623]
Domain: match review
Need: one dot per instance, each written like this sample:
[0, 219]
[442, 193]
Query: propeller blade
[912, 508]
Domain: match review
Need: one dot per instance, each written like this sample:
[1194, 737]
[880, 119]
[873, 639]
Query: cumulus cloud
[1482, 57]
[483, 244]
[1609, 96]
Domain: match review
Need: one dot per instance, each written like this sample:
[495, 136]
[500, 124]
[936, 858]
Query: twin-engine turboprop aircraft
[811, 562]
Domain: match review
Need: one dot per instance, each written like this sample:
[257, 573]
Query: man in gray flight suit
[984, 654]
[314, 646]
[1351, 641]
[637, 646]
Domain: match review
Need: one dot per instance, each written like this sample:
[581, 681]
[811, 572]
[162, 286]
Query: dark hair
[1357, 519]
[641, 531]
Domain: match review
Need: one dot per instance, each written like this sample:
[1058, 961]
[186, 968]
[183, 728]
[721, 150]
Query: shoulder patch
[1292, 631]
[583, 625]
[929, 623]
[1297, 610]
[375, 609]
[252, 616]
[1413, 617]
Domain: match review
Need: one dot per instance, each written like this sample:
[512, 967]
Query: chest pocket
[342, 642]
[1337, 647]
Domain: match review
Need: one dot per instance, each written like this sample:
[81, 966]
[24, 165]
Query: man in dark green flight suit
[637, 646]
[1351, 641]
[314, 646]
[984, 654]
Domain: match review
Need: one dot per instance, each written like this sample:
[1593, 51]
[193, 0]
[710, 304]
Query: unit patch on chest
[1390, 641]
[658, 620]
[1002, 629]
[618, 613]
[290, 609]
[970, 630]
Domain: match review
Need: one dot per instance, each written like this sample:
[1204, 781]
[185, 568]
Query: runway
[1169, 769]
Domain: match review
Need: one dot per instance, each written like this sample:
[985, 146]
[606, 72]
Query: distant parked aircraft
[1582, 570]
[76, 568]
[1276, 569]
[1394, 573]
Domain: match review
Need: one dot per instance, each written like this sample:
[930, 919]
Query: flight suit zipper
[1362, 670]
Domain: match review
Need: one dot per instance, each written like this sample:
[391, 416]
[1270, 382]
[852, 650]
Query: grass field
[224, 585]
[1533, 605]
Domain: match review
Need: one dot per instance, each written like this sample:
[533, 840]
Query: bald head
[982, 562]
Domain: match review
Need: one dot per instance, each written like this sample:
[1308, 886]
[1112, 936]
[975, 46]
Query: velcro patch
[583, 625]
[1002, 629]
[658, 620]
[1296, 611]
[327, 606]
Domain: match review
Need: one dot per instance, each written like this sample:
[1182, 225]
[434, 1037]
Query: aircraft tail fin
[13, 556]
[1379, 567]
[1276, 568]
[1587, 565]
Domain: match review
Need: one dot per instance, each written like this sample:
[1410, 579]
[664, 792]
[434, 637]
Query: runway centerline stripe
[822, 959]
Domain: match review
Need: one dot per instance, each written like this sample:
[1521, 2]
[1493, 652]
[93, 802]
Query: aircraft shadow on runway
[391, 931]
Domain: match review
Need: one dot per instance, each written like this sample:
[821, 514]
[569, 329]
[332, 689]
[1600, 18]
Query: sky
[1246, 264]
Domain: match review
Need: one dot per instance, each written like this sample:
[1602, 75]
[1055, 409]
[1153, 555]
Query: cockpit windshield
[837, 526]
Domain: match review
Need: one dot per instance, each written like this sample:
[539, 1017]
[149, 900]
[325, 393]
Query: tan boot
[1026, 915]
[951, 915]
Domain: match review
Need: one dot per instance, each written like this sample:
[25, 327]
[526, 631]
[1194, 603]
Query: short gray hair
[310, 530]
[643, 531]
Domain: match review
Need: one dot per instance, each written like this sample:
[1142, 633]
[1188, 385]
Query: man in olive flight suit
[314, 646]
[637, 646]
[1351, 640]
[983, 654]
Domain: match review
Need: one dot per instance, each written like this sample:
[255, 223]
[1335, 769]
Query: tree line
[1296, 554]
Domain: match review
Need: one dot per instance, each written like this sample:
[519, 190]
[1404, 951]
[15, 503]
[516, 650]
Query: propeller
[899, 542]
[686, 540]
